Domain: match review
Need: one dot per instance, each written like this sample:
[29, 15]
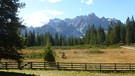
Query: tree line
[115, 34]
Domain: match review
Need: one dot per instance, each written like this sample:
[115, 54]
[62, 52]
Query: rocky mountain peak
[75, 27]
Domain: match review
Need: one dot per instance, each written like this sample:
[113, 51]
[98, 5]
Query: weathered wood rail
[69, 66]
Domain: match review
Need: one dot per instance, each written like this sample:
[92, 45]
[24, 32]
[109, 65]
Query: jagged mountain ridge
[74, 27]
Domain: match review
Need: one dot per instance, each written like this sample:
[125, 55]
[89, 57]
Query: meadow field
[91, 55]
[68, 73]
[83, 55]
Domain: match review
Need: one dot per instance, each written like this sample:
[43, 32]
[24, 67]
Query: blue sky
[38, 12]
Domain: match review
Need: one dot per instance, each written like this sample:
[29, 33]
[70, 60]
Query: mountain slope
[74, 27]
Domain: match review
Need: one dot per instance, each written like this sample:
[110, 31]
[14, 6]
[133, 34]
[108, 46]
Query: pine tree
[62, 41]
[56, 40]
[10, 38]
[117, 27]
[31, 39]
[108, 39]
[39, 40]
[93, 35]
[70, 41]
[123, 34]
[87, 35]
[130, 31]
[100, 35]
[26, 37]
[49, 54]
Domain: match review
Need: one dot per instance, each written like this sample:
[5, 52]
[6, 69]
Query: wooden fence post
[130, 66]
[44, 65]
[6, 65]
[115, 66]
[19, 65]
[85, 66]
[71, 66]
[58, 67]
[100, 67]
[31, 65]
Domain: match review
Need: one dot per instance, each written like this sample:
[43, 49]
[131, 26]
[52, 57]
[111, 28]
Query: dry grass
[119, 55]
[109, 56]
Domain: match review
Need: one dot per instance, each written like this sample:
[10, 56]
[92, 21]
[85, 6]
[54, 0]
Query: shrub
[63, 55]
[34, 55]
[49, 55]
[75, 52]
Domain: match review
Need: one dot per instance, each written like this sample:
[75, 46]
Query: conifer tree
[123, 34]
[87, 35]
[93, 35]
[100, 35]
[49, 55]
[10, 25]
[116, 29]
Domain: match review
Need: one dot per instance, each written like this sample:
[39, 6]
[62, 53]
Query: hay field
[118, 55]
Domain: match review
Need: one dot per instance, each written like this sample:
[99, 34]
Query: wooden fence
[69, 66]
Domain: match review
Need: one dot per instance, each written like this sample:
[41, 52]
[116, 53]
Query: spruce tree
[108, 39]
[49, 54]
[56, 40]
[100, 35]
[123, 34]
[10, 25]
[93, 35]
[129, 32]
[87, 35]
[117, 27]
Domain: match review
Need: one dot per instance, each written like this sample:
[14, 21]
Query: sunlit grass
[71, 73]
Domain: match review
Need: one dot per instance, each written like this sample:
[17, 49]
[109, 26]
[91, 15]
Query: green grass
[86, 46]
[34, 55]
[71, 73]
[35, 47]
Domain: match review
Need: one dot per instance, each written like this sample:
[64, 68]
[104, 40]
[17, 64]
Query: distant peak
[103, 17]
[92, 14]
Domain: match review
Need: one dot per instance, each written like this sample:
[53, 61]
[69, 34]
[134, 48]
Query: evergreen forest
[117, 33]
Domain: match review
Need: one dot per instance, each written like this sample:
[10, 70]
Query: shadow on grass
[14, 74]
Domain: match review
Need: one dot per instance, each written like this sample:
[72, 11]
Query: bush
[49, 55]
[63, 55]
[114, 46]
[34, 55]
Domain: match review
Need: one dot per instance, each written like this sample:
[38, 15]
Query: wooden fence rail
[69, 66]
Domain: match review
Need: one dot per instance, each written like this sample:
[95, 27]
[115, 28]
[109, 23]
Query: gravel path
[128, 47]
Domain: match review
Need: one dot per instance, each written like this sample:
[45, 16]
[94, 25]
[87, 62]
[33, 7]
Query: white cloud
[88, 2]
[53, 12]
[51, 1]
[82, 1]
[37, 19]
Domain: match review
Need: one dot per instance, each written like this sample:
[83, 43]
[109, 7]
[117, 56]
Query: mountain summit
[74, 27]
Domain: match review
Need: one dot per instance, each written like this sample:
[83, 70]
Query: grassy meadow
[68, 73]
[79, 54]
[84, 54]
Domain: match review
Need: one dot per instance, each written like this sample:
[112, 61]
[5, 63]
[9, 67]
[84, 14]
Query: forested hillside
[116, 33]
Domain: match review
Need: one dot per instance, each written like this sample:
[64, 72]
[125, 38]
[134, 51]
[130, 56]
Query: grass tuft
[34, 55]
[95, 51]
